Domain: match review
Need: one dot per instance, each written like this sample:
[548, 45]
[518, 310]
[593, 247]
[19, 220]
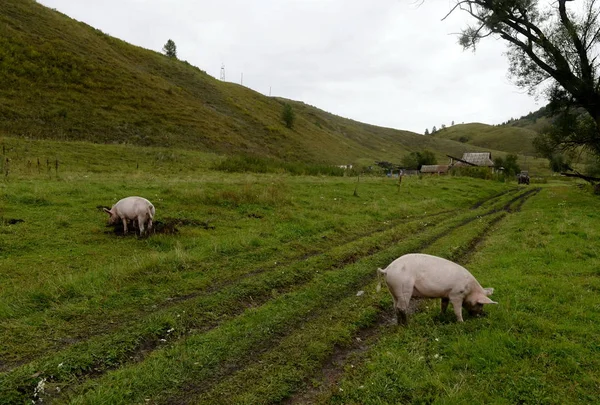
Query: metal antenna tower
[222, 77]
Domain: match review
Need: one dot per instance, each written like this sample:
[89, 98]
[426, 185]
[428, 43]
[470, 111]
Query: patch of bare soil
[166, 226]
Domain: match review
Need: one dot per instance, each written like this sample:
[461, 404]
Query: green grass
[252, 308]
[539, 345]
[73, 294]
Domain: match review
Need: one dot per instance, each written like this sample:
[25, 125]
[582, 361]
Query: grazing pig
[424, 276]
[132, 209]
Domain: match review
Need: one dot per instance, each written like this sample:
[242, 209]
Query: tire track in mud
[99, 327]
[193, 390]
[333, 368]
[228, 305]
[147, 346]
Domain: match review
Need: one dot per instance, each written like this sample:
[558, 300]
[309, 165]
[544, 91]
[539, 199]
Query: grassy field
[249, 292]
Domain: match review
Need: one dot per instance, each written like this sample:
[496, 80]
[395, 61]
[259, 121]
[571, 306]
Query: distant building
[482, 159]
[435, 169]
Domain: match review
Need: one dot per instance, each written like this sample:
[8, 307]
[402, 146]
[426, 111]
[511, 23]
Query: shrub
[255, 164]
[288, 115]
[475, 172]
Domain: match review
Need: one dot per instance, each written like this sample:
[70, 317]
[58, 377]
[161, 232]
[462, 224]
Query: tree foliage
[288, 115]
[509, 165]
[556, 43]
[559, 162]
[170, 49]
[414, 160]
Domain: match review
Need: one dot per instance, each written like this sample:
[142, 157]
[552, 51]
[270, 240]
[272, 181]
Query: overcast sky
[387, 62]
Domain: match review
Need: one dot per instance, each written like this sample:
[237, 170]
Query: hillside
[536, 121]
[510, 139]
[64, 80]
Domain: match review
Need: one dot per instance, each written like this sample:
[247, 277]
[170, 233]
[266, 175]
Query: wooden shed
[434, 169]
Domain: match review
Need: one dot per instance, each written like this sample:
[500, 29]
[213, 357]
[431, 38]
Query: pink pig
[132, 209]
[424, 276]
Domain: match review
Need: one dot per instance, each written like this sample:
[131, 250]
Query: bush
[288, 115]
[414, 160]
[475, 172]
[255, 164]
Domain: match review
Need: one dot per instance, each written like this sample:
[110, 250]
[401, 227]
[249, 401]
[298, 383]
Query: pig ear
[485, 300]
[488, 291]
[107, 211]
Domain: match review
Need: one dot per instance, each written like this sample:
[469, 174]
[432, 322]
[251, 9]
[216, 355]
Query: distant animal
[135, 209]
[424, 276]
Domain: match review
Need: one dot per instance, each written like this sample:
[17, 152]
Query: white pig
[424, 276]
[132, 209]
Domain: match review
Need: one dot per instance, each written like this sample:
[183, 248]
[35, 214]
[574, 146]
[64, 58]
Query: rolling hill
[64, 80]
[510, 139]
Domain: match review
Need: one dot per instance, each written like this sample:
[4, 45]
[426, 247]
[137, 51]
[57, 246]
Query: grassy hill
[510, 139]
[64, 80]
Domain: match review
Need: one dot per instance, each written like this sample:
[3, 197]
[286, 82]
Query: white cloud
[389, 63]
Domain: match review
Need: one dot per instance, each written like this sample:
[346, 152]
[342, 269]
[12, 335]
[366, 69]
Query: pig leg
[445, 302]
[150, 216]
[140, 220]
[401, 318]
[124, 226]
[402, 301]
[457, 305]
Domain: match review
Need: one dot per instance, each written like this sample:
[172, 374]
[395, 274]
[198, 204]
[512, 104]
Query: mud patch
[334, 367]
[173, 222]
[12, 221]
[166, 226]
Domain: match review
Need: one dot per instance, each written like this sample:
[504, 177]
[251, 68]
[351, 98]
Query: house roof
[434, 168]
[479, 158]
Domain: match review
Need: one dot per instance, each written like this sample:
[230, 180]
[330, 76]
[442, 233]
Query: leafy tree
[452, 123]
[170, 49]
[511, 167]
[509, 164]
[498, 163]
[426, 131]
[288, 115]
[433, 130]
[411, 161]
[559, 163]
[547, 43]
[414, 160]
